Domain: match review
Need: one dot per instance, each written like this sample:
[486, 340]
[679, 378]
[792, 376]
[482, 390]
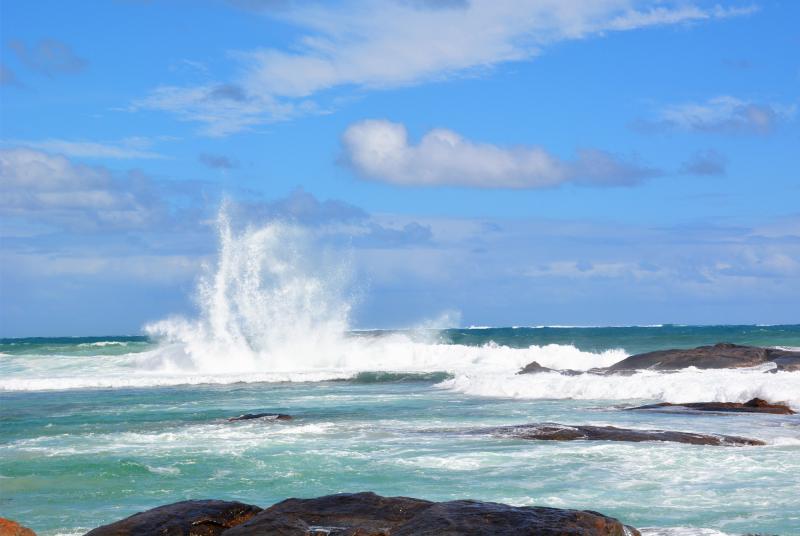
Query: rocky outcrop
[265, 416]
[363, 514]
[722, 355]
[12, 528]
[787, 364]
[562, 432]
[755, 405]
[187, 518]
[368, 514]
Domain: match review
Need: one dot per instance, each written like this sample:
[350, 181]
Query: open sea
[94, 429]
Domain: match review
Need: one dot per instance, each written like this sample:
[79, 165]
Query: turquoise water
[94, 429]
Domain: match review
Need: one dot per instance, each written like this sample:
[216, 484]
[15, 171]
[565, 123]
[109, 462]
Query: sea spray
[273, 301]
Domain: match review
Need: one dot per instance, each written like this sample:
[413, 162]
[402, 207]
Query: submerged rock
[722, 355]
[12, 528]
[187, 518]
[368, 514]
[267, 416]
[562, 432]
[755, 405]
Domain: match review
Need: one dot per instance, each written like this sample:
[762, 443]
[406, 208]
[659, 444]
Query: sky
[477, 162]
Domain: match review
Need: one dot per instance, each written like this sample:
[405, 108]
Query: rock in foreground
[755, 405]
[722, 355]
[562, 432]
[12, 528]
[367, 514]
[187, 518]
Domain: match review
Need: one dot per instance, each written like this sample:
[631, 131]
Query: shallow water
[74, 458]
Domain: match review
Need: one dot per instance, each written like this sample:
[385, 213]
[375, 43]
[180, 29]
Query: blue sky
[512, 162]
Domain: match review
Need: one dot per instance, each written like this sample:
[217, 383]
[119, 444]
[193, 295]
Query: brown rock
[187, 518]
[755, 405]
[722, 355]
[12, 528]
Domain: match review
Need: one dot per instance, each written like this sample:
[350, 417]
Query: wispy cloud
[129, 148]
[7, 77]
[705, 163]
[49, 56]
[217, 161]
[723, 114]
[372, 45]
[380, 150]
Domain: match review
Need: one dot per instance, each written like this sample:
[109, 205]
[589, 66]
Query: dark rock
[345, 513]
[187, 518]
[368, 514]
[787, 364]
[456, 518]
[268, 416]
[562, 432]
[535, 368]
[722, 355]
[12, 528]
[755, 405]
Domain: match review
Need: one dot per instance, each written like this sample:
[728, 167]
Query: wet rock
[365, 514]
[535, 368]
[456, 518]
[755, 405]
[368, 514]
[187, 518]
[722, 355]
[786, 364]
[266, 416]
[12, 528]
[562, 432]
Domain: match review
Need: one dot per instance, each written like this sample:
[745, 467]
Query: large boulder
[563, 432]
[12, 528]
[368, 514]
[722, 355]
[755, 405]
[187, 518]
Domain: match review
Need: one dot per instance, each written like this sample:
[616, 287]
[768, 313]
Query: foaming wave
[689, 385]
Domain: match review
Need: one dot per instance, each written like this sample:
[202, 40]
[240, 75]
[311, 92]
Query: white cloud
[131, 148]
[47, 188]
[726, 114]
[380, 150]
[370, 44]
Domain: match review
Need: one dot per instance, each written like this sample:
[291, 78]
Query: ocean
[97, 428]
[94, 429]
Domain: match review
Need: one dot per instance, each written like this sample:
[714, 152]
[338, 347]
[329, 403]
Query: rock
[755, 405]
[12, 528]
[268, 416]
[786, 364]
[456, 518]
[187, 518]
[722, 355]
[562, 432]
[535, 368]
[368, 514]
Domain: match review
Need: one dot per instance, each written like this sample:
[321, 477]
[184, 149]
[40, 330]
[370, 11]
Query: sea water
[94, 429]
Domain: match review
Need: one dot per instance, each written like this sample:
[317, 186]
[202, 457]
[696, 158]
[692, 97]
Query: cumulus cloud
[47, 188]
[49, 56]
[380, 150]
[705, 163]
[370, 45]
[723, 114]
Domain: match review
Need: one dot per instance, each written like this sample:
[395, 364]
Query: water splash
[273, 299]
